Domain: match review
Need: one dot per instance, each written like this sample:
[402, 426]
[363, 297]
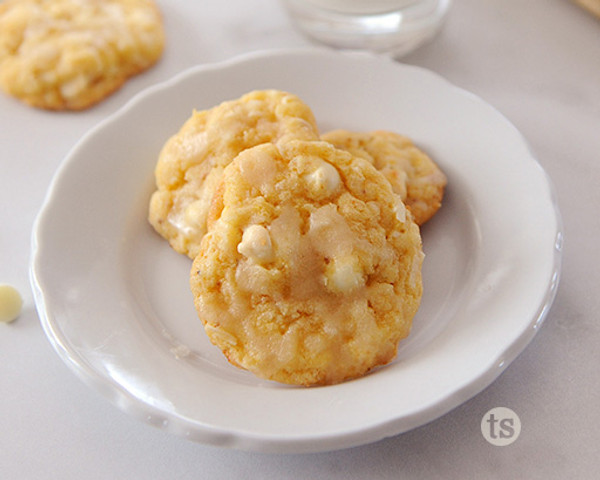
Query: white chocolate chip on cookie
[344, 275]
[324, 180]
[256, 244]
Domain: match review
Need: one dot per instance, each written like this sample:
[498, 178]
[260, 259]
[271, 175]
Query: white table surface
[537, 62]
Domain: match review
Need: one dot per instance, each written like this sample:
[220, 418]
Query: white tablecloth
[538, 62]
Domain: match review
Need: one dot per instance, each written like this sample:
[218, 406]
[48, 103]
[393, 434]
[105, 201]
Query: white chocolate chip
[256, 244]
[324, 180]
[10, 303]
[344, 275]
[194, 216]
[400, 210]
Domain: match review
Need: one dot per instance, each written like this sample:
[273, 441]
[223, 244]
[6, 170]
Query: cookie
[191, 163]
[70, 54]
[310, 273]
[413, 175]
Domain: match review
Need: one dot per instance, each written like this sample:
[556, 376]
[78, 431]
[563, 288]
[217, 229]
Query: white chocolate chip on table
[11, 303]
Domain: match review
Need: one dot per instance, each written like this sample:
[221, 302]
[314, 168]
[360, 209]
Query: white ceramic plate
[114, 300]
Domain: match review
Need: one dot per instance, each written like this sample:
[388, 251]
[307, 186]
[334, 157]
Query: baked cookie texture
[191, 163]
[310, 273]
[413, 175]
[70, 54]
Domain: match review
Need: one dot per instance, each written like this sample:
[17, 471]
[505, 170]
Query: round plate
[114, 299]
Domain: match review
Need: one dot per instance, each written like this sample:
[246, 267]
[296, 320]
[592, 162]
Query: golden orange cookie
[310, 272]
[191, 163]
[413, 175]
[70, 54]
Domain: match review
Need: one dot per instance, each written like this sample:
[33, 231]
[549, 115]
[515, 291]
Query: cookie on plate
[191, 163]
[70, 54]
[413, 175]
[310, 273]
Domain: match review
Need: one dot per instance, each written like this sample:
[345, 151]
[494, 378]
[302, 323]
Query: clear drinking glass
[395, 27]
